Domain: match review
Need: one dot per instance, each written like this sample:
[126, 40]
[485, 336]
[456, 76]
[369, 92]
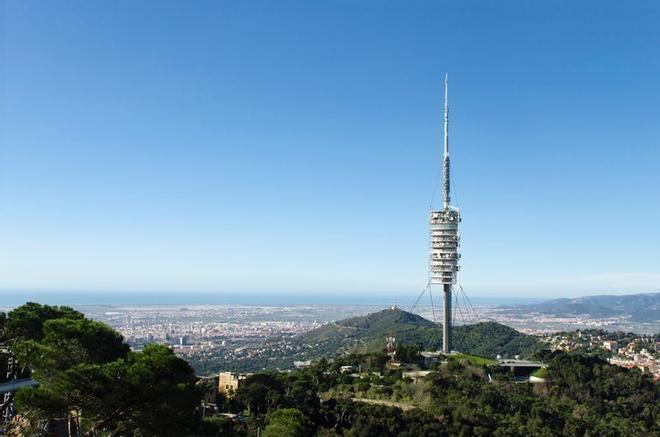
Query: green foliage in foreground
[92, 383]
[287, 422]
[26, 322]
[585, 396]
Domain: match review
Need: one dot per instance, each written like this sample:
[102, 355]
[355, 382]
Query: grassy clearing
[541, 373]
[473, 359]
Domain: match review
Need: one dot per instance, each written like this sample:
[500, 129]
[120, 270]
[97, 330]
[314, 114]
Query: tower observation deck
[445, 241]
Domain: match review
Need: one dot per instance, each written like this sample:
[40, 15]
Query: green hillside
[367, 334]
[489, 339]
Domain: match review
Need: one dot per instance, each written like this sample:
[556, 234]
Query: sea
[14, 298]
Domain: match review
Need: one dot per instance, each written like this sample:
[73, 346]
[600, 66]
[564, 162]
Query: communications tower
[445, 240]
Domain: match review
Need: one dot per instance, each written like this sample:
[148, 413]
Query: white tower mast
[443, 230]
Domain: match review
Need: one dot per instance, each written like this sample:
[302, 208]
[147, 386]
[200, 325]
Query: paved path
[404, 407]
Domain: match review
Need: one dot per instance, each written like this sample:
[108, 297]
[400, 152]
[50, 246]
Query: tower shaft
[446, 320]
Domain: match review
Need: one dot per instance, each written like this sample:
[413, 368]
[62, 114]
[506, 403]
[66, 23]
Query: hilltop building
[228, 382]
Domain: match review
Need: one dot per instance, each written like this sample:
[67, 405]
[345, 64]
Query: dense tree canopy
[65, 343]
[89, 379]
[287, 422]
[26, 322]
[583, 396]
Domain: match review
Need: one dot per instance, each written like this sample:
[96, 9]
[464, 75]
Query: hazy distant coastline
[10, 298]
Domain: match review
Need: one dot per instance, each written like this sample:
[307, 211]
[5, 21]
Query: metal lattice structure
[445, 240]
[8, 408]
[390, 345]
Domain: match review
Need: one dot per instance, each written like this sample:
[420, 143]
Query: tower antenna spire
[446, 197]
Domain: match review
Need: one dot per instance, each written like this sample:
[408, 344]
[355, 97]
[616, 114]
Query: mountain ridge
[641, 307]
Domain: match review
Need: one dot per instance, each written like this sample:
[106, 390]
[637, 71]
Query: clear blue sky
[295, 146]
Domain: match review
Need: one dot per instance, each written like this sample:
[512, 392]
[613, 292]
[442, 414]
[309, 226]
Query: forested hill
[638, 307]
[367, 334]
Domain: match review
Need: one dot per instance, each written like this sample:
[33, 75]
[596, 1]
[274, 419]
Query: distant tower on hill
[444, 240]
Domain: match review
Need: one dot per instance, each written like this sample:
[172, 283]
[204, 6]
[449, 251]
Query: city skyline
[291, 148]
